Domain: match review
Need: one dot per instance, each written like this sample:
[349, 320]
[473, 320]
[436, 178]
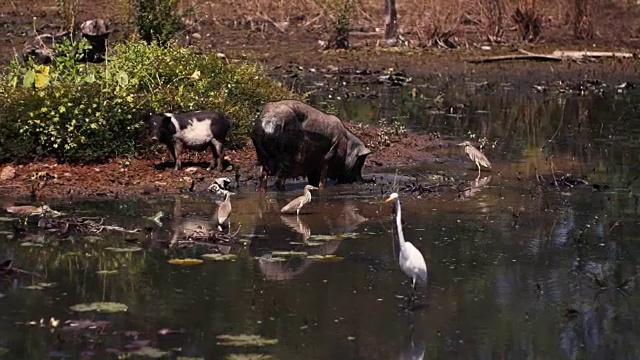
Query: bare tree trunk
[390, 20]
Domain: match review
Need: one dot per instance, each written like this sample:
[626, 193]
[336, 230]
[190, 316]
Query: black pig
[196, 130]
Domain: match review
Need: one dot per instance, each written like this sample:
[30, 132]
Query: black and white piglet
[196, 130]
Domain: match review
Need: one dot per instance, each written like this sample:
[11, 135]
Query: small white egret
[410, 259]
[224, 210]
[297, 203]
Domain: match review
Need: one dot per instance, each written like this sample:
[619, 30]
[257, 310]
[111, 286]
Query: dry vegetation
[432, 22]
[259, 24]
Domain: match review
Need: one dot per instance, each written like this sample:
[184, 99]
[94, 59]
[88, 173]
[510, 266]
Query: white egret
[410, 259]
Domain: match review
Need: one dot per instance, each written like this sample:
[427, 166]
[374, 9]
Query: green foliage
[84, 113]
[157, 20]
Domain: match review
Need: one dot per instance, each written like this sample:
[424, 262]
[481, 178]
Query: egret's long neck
[399, 222]
[307, 195]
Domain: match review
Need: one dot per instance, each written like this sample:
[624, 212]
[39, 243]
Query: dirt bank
[127, 177]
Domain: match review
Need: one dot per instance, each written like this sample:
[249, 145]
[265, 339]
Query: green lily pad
[249, 357]
[189, 358]
[244, 241]
[4, 218]
[40, 286]
[289, 253]
[106, 272]
[31, 244]
[185, 262]
[220, 257]
[2, 295]
[103, 307]
[323, 237]
[271, 259]
[124, 249]
[3, 351]
[244, 340]
[350, 235]
[314, 243]
[325, 258]
[150, 352]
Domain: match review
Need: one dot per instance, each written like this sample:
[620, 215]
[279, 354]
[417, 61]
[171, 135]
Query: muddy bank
[154, 174]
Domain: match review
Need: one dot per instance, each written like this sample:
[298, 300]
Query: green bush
[85, 113]
[157, 20]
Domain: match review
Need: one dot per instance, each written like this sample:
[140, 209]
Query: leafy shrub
[157, 20]
[87, 112]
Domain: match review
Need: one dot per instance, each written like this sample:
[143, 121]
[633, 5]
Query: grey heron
[410, 259]
[475, 155]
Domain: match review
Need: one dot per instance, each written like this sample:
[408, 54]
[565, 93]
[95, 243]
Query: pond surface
[516, 269]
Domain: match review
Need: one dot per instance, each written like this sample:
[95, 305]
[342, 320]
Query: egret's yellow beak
[389, 199]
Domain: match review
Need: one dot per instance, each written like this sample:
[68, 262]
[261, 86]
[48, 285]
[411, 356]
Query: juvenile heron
[26, 211]
[224, 210]
[410, 259]
[297, 203]
[475, 155]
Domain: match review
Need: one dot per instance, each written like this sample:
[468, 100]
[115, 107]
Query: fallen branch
[534, 57]
[558, 55]
[579, 55]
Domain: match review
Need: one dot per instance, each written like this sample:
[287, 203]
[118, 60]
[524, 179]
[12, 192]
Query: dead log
[531, 57]
[579, 55]
[558, 55]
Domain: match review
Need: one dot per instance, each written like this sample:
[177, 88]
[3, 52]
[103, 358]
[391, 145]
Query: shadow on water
[518, 268]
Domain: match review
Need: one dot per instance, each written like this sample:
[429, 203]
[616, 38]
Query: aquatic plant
[84, 113]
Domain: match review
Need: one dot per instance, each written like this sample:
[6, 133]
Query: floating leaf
[189, 358]
[124, 249]
[29, 243]
[2, 295]
[350, 235]
[249, 357]
[325, 258]
[313, 243]
[244, 340]
[41, 286]
[289, 253]
[271, 258]
[220, 257]
[4, 218]
[104, 307]
[106, 272]
[323, 237]
[150, 352]
[185, 262]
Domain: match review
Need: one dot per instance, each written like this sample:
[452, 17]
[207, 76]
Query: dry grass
[424, 22]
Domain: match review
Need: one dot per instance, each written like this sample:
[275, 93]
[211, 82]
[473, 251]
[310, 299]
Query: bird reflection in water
[414, 346]
[474, 187]
[344, 218]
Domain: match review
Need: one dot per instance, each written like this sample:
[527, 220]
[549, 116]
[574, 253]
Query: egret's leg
[478, 165]
[298, 213]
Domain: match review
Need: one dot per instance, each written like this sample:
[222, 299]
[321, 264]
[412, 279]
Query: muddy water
[516, 270]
